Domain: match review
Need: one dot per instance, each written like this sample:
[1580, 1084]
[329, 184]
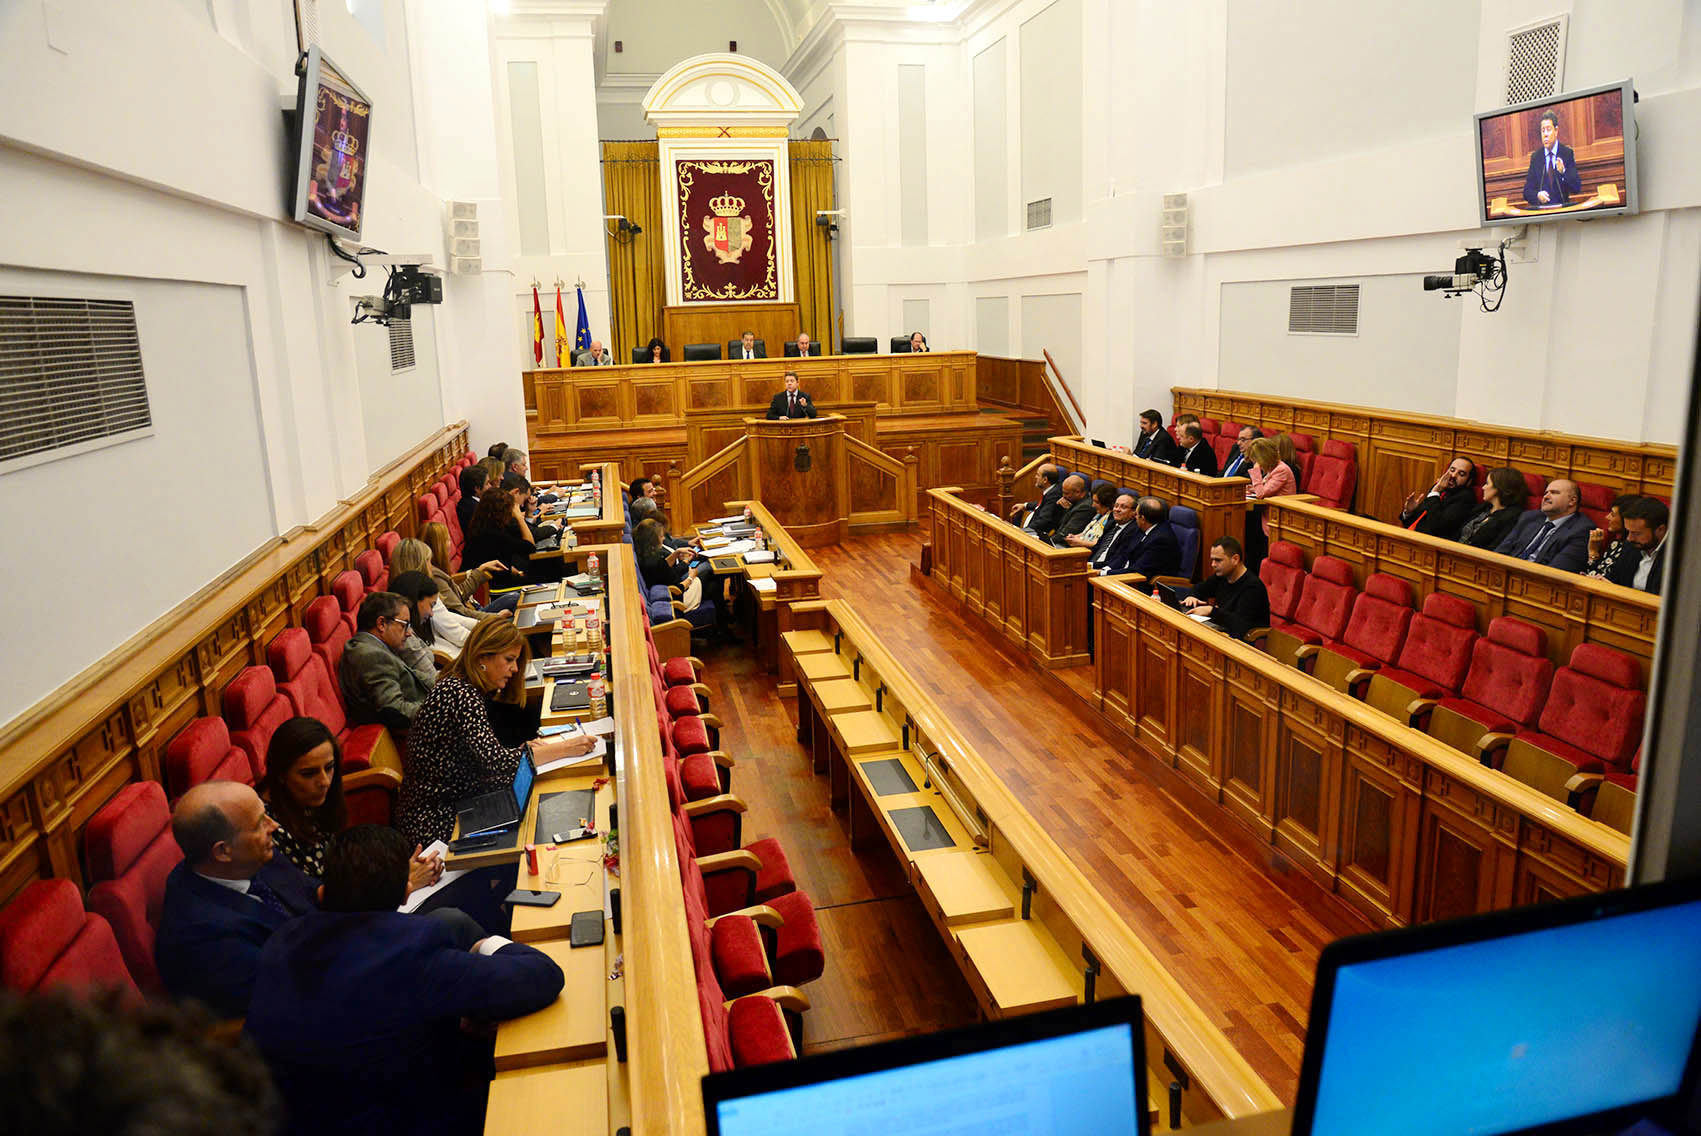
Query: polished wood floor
[1238, 928]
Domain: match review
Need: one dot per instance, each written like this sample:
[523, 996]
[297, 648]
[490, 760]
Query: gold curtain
[812, 252]
[631, 187]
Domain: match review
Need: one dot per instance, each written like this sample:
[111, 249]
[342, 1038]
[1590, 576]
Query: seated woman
[1504, 495]
[420, 590]
[452, 750]
[498, 535]
[1286, 450]
[1607, 546]
[458, 592]
[918, 343]
[303, 791]
[657, 350]
[1271, 477]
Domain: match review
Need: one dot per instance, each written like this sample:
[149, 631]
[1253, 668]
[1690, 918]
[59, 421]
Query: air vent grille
[70, 373]
[1535, 60]
[1039, 214]
[401, 345]
[1323, 309]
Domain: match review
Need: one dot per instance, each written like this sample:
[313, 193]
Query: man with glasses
[378, 683]
[1240, 465]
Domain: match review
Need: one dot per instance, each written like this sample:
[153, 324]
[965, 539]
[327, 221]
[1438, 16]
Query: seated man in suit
[1240, 462]
[1642, 565]
[1104, 500]
[748, 348]
[472, 484]
[1047, 510]
[1233, 595]
[1151, 548]
[595, 357]
[1196, 453]
[357, 1008]
[802, 348]
[791, 402]
[1077, 510]
[226, 898]
[1118, 530]
[378, 682]
[1443, 511]
[1556, 534]
[1154, 443]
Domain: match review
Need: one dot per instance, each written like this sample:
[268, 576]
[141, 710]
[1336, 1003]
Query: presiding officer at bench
[791, 402]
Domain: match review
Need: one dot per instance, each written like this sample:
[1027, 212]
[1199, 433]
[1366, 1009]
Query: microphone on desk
[802, 461]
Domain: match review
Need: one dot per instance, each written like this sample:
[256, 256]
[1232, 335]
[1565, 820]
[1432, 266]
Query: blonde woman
[1271, 476]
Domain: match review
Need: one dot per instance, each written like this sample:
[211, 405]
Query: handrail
[903, 471]
[1078, 424]
[697, 475]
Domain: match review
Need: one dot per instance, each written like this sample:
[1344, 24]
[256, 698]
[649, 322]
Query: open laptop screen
[1584, 1017]
[1010, 1079]
[523, 778]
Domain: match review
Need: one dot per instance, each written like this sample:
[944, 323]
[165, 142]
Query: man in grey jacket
[379, 682]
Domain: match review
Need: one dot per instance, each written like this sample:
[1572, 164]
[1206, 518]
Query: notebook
[569, 696]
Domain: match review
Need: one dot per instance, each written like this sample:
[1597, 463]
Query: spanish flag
[537, 328]
[561, 359]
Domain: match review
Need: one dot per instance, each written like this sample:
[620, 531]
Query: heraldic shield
[727, 233]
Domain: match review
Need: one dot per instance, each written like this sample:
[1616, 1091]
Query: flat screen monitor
[334, 125]
[1058, 1073]
[1574, 1016]
[1567, 157]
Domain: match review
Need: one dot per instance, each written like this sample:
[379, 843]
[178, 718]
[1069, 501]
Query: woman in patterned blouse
[303, 790]
[452, 751]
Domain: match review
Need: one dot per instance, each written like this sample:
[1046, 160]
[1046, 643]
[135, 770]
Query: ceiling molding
[626, 87]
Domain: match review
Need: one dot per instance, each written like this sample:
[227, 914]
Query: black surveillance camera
[1469, 270]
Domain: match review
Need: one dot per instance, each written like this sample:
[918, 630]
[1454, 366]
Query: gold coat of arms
[725, 232]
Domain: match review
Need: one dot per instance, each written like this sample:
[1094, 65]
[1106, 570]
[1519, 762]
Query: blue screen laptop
[499, 808]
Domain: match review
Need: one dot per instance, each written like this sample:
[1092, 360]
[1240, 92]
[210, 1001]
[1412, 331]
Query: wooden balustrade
[1401, 826]
[998, 844]
[65, 757]
[1034, 593]
[796, 578]
[1399, 452]
[1574, 609]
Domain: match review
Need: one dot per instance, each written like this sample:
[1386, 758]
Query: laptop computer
[1081, 1069]
[499, 808]
[1576, 1016]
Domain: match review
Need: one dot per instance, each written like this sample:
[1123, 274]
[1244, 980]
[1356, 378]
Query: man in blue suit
[357, 1009]
[1552, 177]
[1239, 465]
[1556, 534]
[226, 898]
[1151, 548]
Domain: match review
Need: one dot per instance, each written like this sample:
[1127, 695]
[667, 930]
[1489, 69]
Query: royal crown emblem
[726, 233]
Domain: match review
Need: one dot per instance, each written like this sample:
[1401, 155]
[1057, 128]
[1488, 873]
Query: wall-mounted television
[1568, 157]
[334, 124]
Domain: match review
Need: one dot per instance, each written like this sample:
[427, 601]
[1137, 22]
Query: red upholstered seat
[1305, 459]
[253, 709]
[680, 701]
[426, 509]
[678, 672]
[1223, 445]
[349, 589]
[796, 955]
[1437, 651]
[202, 751]
[47, 941]
[1628, 780]
[1595, 500]
[373, 574]
[1333, 474]
[304, 679]
[1304, 443]
[1376, 629]
[326, 631]
[1537, 483]
[1283, 573]
[1232, 429]
[1325, 602]
[1593, 714]
[741, 961]
[130, 851]
[1508, 679]
[386, 544]
[1209, 426]
[691, 735]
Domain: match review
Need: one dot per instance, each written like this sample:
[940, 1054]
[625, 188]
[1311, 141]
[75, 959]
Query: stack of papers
[758, 557]
[594, 757]
[765, 584]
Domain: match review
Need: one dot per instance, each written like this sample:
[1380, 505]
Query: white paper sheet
[594, 757]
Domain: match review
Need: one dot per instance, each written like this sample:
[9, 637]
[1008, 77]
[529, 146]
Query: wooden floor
[1238, 929]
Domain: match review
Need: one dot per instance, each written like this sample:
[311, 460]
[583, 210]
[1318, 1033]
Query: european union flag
[582, 337]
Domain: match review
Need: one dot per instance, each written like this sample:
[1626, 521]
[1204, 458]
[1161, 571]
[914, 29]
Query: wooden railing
[1055, 382]
[1069, 917]
[1401, 826]
[1025, 386]
[1033, 593]
[1400, 452]
[1573, 609]
[66, 756]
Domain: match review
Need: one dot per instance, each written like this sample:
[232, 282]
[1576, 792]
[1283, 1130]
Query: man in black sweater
[1233, 596]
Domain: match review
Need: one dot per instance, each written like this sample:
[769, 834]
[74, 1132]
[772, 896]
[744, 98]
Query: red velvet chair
[304, 679]
[1325, 604]
[373, 575]
[1538, 485]
[1594, 501]
[202, 751]
[753, 1030]
[253, 708]
[1615, 796]
[1591, 722]
[426, 509]
[1304, 443]
[130, 851]
[716, 827]
[323, 622]
[1432, 663]
[1375, 632]
[1504, 691]
[48, 942]
[349, 589]
[1333, 474]
[1223, 445]
[1283, 573]
[386, 545]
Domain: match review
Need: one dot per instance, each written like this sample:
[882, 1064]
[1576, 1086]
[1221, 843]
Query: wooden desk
[574, 1098]
[575, 869]
[1401, 826]
[573, 1028]
[796, 578]
[1017, 969]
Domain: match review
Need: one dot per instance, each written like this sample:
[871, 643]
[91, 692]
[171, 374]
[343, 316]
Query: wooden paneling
[1399, 452]
[776, 324]
[64, 758]
[1573, 609]
[1399, 825]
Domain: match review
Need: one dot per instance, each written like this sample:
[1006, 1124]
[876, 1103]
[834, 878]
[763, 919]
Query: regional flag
[537, 328]
[561, 359]
[582, 338]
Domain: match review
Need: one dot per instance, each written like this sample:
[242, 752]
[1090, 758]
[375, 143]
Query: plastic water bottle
[761, 541]
[598, 691]
[594, 566]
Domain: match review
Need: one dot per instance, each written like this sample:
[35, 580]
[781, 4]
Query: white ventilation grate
[1323, 309]
[401, 345]
[1039, 214]
[70, 373]
[1535, 60]
[309, 10]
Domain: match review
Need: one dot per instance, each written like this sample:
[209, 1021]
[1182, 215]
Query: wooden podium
[813, 504]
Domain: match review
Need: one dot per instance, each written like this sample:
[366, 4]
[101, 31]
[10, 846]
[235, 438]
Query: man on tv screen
[1552, 177]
